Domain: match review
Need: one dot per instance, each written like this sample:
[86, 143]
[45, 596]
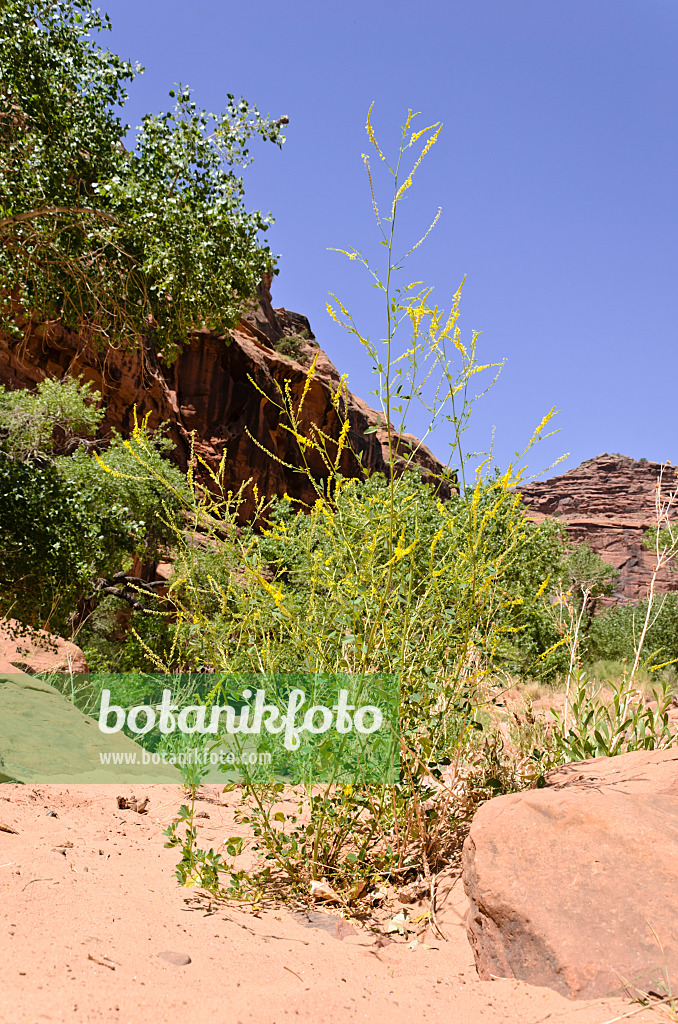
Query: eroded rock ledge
[212, 390]
[609, 502]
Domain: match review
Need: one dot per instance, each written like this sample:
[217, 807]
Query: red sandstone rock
[575, 886]
[609, 503]
[215, 390]
[34, 650]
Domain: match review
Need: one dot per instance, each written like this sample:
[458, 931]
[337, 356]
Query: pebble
[179, 959]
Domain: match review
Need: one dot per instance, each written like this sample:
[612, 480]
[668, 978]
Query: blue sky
[556, 171]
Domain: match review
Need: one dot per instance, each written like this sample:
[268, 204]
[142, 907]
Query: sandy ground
[88, 901]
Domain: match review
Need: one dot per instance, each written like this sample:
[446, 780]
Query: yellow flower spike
[436, 319]
[438, 537]
[345, 252]
[370, 131]
[342, 307]
[332, 313]
[302, 441]
[107, 469]
[416, 314]
[343, 435]
[410, 119]
[307, 383]
[549, 416]
[564, 640]
[401, 552]
[417, 135]
[405, 185]
[337, 394]
[375, 207]
[431, 142]
[262, 392]
[543, 587]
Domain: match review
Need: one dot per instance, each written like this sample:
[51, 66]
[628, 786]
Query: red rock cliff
[215, 390]
[609, 502]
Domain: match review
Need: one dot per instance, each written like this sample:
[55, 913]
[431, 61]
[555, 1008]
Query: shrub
[615, 632]
[292, 344]
[66, 524]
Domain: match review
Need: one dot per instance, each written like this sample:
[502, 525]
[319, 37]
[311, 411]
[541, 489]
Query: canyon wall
[609, 502]
[218, 390]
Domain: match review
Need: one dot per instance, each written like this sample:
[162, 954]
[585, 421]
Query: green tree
[54, 419]
[110, 242]
[69, 531]
[589, 577]
[616, 631]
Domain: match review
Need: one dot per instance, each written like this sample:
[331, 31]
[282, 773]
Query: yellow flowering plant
[424, 582]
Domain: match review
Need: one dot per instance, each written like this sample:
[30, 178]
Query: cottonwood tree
[117, 240]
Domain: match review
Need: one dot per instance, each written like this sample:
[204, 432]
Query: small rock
[132, 804]
[337, 927]
[51, 814]
[178, 959]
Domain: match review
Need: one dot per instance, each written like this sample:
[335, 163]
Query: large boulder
[575, 886]
[44, 738]
[35, 650]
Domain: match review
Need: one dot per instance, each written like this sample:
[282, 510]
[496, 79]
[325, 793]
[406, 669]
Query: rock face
[575, 886]
[219, 390]
[34, 650]
[609, 502]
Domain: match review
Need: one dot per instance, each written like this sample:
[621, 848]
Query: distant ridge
[608, 501]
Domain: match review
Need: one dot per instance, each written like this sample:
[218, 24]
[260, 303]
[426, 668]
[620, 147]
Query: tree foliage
[615, 632]
[54, 419]
[111, 242]
[66, 523]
